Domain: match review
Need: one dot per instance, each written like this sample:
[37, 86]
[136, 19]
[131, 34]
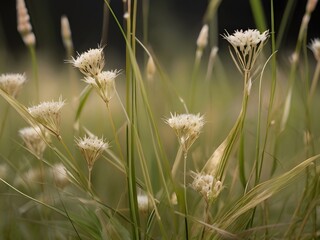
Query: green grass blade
[258, 14]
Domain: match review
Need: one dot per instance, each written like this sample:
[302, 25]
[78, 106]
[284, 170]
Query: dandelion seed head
[90, 63]
[33, 140]
[91, 147]
[48, 114]
[206, 185]
[315, 48]
[12, 83]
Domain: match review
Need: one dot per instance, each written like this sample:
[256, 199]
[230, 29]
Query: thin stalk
[185, 195]
[314, 83]
[194, 75]
[177, 162]
[35, 70]
[116, 138]
[206, 219]
[4, 120]
[89, 178]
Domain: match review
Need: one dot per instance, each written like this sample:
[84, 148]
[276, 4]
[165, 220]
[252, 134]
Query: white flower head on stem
[104, 83]
[315, 48]
[33, 140]
[247, 46]
[12, 83]
[91, 147]
[90, 63]
[187, 128]
[48, 114]
[206, 185]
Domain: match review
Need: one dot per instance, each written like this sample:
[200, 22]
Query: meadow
[222, 145]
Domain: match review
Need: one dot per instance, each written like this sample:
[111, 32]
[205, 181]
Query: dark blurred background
[171, 22]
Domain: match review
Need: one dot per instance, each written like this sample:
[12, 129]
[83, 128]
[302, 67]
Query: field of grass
[223, 145]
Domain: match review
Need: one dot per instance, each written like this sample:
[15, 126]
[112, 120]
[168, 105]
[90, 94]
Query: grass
[247, 171]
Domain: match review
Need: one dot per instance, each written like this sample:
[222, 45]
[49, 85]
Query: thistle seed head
[12, 83]
[90, 63]
[91, 147]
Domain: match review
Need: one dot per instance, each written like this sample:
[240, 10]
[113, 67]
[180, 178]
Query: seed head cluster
[90, 63]
[315, 48]
[33, 140]
[12, 83]
[91, 147]
[48, 114]
[104, 83]
[60, 175]
[207, 186]
[187, 128]
[247, 46]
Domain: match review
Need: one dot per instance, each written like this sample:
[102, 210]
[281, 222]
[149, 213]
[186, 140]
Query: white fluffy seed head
[315, 48]
[247, 46]
[206, 185]
[48, 114]
[151, 68]
[187, 128]
[104, 83]
[91, 147]
[33, 140]
[12, 83]
[90, 63]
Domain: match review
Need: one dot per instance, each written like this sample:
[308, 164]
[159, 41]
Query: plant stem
[35, 70]
[185, 194]
[4, 120]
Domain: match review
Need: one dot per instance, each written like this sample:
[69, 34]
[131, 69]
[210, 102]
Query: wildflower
[48, 114]
[60, 175]
[104, 83]
[91, 147]
[202, 40]
[207, 186]
[90, 63]
[143, 202]
[33, 140]
[12, 83]
[24, 26]
[247, 46]
[151, 68]
[315, 48]
[187, 128]
[66, 33]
